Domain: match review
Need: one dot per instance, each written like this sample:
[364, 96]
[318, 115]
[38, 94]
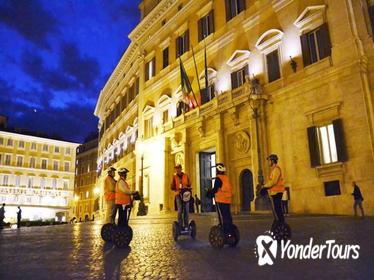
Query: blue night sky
[56, 56]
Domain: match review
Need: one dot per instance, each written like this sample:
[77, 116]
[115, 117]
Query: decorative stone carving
[242, 142]
[179, 159]
[176, 141]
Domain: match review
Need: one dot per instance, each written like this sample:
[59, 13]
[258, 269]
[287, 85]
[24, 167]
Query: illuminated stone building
[37, 174]
[291, 77]
[86, 196]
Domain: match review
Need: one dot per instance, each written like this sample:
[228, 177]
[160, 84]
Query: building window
[67, 167]
[10, 142]
[165, 116]
[182, 44]
[57, 150]
[45, 148]
[206, 25]
[21, 144]
[332, 188]
[30, 182]
[272, 64]
[66, 185]
[19, 161]
[42, 183]
[5, 180]
[238, 77]
[165, 57]
[316, 45]
[326, 144]
[1, 141]
[55, 165]
[207, 95]
[32, 162]
[67, 151]
[18, 181]
[44, 164]
[1, 159]
[148, 128]
[8, 159]
[33, 146]
[137, 86]
[54, 183]
[150, 69]
[233, 8]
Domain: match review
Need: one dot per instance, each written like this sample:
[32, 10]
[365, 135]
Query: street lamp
[141, 209]
[96, 190]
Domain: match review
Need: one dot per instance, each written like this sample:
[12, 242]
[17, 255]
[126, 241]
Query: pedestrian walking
[197, 203]
[2, 216]
[19, 217]
[285, 202]
[358, 199]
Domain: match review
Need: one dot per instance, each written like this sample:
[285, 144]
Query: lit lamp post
[142, 211]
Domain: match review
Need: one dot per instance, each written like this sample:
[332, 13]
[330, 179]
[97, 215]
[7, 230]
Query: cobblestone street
[77, 251]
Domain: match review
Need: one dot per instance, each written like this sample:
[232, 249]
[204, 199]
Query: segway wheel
[281, 231]
[122, 236]
[176, 231]
[107, 232]
[217, 237]
[192, 227]
[234, 239]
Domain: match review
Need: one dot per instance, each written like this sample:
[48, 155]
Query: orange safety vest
[109, 188]
[180, 184]
[279, 186]
[121, 197]
[224, 193]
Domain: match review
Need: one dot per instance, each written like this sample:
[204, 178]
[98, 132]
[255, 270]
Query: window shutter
[371, 14]
[339, 140]
[200, 29]
[228, 9]
[313, 146]
[241, 6]
[147, 71]
[245, 71]
[234, 81]
[305, 49]
[211, 21]
[154, 67]
[187, 41]
[324, 43]
[273, 66]
[177, 47]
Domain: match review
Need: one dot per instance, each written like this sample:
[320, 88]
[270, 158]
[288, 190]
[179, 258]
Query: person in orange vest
[109, 195]
[123, 197]
[275, 186]
[222, 193]
[179, 182]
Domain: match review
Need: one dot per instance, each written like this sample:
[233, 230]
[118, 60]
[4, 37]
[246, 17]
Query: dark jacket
[357, 193]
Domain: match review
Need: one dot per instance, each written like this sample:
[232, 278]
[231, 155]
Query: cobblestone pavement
[77, 251]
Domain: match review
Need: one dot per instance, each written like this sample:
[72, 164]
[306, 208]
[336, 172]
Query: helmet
[123, 170]
[110, 169]
[273, 157]
[220, 167]
[178, 166]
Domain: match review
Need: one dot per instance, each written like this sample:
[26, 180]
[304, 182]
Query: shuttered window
[316, 45]
[206, 25]
[150, 69]
[165, 57]
[272, 62]
[137, 86]
[233, 8]
[182, 44]
[207, 95]
[327, 144]
[238, 77]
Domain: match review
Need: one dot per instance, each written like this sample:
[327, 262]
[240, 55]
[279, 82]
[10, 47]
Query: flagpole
[187, 80]
[197, 74]
[206, 71]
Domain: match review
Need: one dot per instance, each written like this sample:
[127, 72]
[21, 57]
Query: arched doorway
[246, 188]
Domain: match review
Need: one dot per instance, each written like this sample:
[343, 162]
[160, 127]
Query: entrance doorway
[207, 161]
[246, 187]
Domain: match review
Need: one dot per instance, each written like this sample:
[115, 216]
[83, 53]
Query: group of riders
[118, 195]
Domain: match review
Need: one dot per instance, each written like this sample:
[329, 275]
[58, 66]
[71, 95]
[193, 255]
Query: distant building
[37, 174]
[86, 193]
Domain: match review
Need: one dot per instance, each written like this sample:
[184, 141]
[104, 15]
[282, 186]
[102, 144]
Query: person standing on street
[275, 187]
[198, 203]
[19, 217]
[2, 216]
[109, 195]
[358, 199]
[123, 197]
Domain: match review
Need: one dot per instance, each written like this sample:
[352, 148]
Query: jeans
[122, 214]
[358, 202]
[225, 216]
[276, 204]
[183, 209]
[110, 213]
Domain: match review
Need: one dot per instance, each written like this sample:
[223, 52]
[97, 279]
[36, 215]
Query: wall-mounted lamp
[293, 64]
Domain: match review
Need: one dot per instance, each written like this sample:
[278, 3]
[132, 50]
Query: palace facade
[291, 77]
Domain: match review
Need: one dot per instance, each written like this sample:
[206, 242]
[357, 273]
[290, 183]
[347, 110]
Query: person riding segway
[225, 232]
[182, 187]
[274, 188]
[109, 197]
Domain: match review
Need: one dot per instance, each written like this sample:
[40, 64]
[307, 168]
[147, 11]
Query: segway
[281, 231]
[190, 229]
[218, 238]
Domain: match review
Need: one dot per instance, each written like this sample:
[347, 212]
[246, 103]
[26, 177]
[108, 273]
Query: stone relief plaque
[242, 142]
